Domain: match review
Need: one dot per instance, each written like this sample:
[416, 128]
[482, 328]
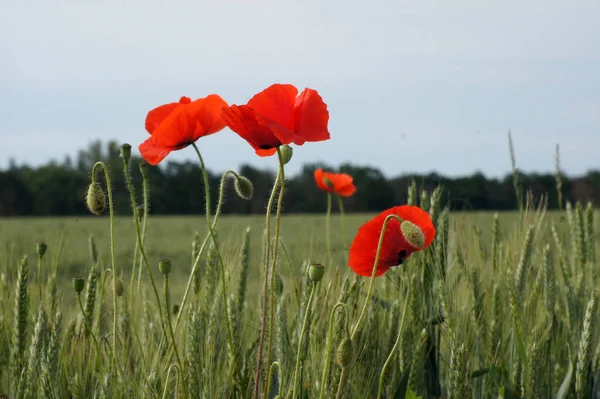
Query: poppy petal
[243, 121]
[208, 115]
[158, 114]
[346, 190]
[311, 116]
[265, 153]
[152, 152]
[364, 247]
[187, 123]
[276, 103]
[320, 180]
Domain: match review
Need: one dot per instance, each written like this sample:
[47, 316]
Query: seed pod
[78, 283]
[125, 152]
[413, 234]
[41, 248]
[164, 265]
[286, 153]
[315, 272]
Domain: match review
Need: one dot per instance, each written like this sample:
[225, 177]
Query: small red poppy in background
[339, 183]
[174, 126]
[415, 233]
[277, 115]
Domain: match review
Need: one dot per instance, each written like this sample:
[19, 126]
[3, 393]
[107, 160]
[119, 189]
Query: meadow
[502, 305]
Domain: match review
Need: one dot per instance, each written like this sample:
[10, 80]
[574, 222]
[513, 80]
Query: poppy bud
[95, 200]
[78, 283]
[164, 265]
[175, 310]
[143, 166]
[120, 288]
[413, 234]
[243, 187]
[41, 248]
[125, 152]
[286, 153]
[345, 353]
[278, 284]
[315, 272]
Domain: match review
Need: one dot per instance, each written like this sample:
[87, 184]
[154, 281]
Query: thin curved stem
[86, 323]
[164, 395]
[267, 389]
[330, 344]
[216, 245]
[39, 266]
[377, 255]
[203, 246]
[141, 244]
[328, 230]
[275, 252]
[113, 261]
[396, 344]
[168, 314]
[265, 282]
[342, 220]
[343, 379]
[302, 332]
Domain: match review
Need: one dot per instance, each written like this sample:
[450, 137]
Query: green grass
[518, 327]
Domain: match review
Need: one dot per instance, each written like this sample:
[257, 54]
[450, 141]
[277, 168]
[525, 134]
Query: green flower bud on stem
[243, 187]
[175, 310]
[286, 153]
[78, 284]
[95, 200]
[345, 353]
[315, 272]
[41, 248]
[278, 284]
[125, 152]
[143, 168]
[120, 288]
[164, 265]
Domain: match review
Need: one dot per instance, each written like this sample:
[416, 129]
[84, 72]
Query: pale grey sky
[412, 86]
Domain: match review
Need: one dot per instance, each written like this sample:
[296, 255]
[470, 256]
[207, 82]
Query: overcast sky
[411, 86]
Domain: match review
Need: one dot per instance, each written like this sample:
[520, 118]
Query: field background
[171, 237]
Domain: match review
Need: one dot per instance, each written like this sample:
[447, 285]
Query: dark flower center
[266, 147]
[401, 257]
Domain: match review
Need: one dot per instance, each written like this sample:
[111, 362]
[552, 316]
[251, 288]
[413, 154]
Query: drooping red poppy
[174, 126]
[414, 234]
[278, 115]
[339, 183]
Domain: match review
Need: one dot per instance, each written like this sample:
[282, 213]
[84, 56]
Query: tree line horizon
[58, 189]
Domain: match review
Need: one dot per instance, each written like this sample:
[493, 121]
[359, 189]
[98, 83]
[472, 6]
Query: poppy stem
[330, 344]
[275, 253]
[271, 375]
[394, 348]
[328, 229]
[377, 255]
[216, 245]
[102, 165]
[203, 246]
[266, 271]
[172, 333]
[302, 333]
[342, 220]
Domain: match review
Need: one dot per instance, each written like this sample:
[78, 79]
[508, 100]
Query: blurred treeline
[176, 188]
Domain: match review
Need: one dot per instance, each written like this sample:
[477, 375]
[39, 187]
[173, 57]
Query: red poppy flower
[339, 183]
[414, 234]
[277, 115]
[174, 126]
